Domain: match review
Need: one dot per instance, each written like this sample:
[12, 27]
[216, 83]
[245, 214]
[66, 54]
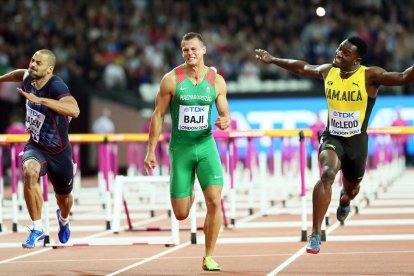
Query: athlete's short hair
[51, 58]
[360, 44]
[191, 35]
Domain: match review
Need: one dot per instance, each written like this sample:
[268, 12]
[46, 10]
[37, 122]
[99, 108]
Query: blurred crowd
[125, 43]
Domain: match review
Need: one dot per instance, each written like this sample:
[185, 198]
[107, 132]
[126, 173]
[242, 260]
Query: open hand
[29, 96]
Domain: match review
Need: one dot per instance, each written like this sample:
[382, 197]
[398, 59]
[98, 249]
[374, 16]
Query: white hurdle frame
[120, 180]
[1, 189]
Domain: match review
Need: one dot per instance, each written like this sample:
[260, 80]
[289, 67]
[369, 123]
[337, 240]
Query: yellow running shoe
[210, 264]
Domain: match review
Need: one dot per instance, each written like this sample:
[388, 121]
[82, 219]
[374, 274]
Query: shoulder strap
[180, 74]
[211, 76]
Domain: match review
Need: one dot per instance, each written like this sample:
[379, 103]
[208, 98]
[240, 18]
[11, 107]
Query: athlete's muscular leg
[351, 190]
[32, 194]
[65, 203]
[181, 206]
[212, 222]
[322, 191]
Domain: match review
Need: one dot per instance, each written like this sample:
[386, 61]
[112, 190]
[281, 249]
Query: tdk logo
[194, 109]
[343, 114]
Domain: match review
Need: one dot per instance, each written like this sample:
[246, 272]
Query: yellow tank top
[349, 106]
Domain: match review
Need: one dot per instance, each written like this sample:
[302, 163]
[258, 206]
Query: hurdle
[120, 182]
[14, 186]
[1, 189]
[45, 185]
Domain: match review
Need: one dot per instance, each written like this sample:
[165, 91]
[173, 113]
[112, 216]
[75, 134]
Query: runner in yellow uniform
[350, 90]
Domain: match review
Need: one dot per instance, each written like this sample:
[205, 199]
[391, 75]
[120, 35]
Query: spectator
[104, 124]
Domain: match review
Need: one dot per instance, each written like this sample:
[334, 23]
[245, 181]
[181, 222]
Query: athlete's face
[193, 51]
[39, 66]
[346, 55]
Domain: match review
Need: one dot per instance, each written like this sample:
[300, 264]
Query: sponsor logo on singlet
[344, 123]
[193, 118]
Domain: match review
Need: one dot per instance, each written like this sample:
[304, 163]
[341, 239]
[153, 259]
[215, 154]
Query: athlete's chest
[189, 94]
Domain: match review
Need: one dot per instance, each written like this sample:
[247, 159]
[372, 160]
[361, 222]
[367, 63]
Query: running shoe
[314, 245]
[210, 264]
[343, 211]
[34, 236]
[64, 231]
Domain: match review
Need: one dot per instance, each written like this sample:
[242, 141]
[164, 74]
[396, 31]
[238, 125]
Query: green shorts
[187, 160]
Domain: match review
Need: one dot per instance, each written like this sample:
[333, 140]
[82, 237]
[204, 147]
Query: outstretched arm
[298, 67]
[162, 102]
[380, 76]
[13, 76]
[223, 120]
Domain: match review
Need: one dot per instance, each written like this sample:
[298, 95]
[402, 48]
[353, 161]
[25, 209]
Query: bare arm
[67, 106]
[13, 76]
[298, 67]
[223, 120]
[379, 76]
[162, 102]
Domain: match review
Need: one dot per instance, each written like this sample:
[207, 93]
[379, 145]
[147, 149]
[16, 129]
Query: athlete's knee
[181, 209]
[328, 176]
[213, 204]
[63, 197]
[352, 193]
[181, 214]
[31, 172]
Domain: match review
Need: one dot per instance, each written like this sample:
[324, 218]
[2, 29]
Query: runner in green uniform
[190, 90]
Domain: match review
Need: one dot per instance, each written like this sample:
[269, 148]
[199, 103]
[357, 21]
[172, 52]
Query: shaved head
[51, 58]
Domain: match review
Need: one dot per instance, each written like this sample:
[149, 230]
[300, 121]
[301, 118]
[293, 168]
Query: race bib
[34, 122]
[344, 123]
[193, 118]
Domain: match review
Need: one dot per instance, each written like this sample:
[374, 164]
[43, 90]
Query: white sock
[37, 225]
[62, 220]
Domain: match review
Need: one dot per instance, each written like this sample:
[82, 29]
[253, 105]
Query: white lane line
[302, 250]
[178, 247]
[25, 255]
[177, 258]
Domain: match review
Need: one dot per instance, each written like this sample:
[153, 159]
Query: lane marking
[156, 256]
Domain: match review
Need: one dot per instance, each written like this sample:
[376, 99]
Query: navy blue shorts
[59, 167]
[352, 152]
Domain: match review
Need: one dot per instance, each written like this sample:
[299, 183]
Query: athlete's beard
[35, 74]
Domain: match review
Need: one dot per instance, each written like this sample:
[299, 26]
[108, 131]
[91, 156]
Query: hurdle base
[323, 235]
[14, 227]
[193, 238]
[46, 241]
[108, 225]
[233, 222]
[327, 221]
[1, 228]
[304, 236]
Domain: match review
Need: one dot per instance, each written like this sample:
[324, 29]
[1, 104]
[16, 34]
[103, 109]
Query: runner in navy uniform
[49, 109]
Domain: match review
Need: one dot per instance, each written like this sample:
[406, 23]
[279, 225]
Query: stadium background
[114, 53]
